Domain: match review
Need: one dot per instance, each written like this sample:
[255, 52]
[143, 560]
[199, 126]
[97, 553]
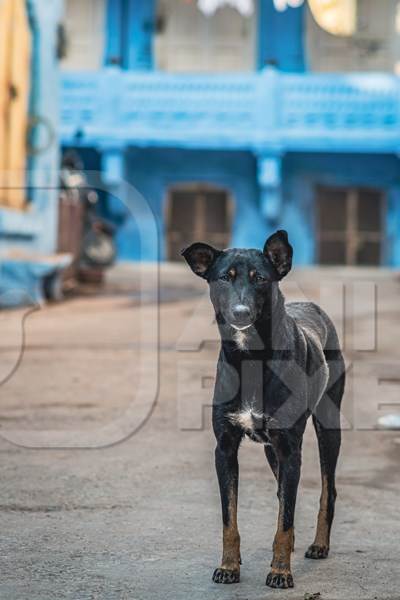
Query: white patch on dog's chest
[240, 338]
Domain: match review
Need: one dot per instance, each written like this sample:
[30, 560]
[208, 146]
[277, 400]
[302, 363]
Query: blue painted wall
[140, 23]
[153, 172]
[130, 27]
[114, 52]
[281, 39]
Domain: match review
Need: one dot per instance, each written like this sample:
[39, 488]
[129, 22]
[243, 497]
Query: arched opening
[187, 40]
[197, 212]
[84, 24]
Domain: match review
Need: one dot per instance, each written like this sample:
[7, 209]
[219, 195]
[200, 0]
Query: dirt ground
[139, 518]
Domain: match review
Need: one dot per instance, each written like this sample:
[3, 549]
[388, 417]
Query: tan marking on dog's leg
[283, 548]
[280, 575]
[231, 538]
[320, 548]
[322, 533]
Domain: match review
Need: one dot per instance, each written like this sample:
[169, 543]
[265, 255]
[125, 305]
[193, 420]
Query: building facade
[29, 148]
[233, 125]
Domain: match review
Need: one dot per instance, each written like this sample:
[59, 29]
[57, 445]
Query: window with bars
[187, 40]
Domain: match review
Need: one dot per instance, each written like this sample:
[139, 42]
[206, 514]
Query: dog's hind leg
[327, 426]
[272, 459]
[329, 445]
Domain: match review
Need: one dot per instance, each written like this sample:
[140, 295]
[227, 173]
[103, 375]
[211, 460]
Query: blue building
[233, 125]
[29, 149]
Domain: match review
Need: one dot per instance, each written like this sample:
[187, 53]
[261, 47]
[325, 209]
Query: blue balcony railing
[266, 111]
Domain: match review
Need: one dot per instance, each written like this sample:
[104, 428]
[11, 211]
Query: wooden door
[350, 226]
[85, 27]
[190, 41]
[197, 214]
[15, 70]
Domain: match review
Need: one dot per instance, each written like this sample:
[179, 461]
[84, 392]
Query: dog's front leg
[280, 575]
[226, 462]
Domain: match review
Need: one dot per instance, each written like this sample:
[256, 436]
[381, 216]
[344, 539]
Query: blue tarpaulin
[22, 280]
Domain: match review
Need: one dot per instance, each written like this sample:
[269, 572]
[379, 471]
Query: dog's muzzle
[241, 316]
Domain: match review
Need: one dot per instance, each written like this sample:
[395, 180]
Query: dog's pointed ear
[279, 252]
[200, 257]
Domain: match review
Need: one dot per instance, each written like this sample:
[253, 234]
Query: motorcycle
[93, 242]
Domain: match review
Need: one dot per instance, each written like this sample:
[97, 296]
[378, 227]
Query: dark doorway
[350, 226]
[197, 213]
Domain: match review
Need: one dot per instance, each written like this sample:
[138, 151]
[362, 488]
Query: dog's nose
[241, 312]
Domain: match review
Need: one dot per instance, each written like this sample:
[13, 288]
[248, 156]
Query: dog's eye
[260, 279]
[226, 277]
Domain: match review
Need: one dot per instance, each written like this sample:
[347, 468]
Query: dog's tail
[252, 421]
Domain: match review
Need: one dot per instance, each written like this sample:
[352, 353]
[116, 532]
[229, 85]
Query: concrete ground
[140, 519]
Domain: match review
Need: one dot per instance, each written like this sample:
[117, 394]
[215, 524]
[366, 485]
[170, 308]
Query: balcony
[261, 112]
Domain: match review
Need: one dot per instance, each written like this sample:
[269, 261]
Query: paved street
[140, 519]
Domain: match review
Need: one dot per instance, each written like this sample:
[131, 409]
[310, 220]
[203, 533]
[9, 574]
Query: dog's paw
[317, 552]
[279, 580]
[226, 576]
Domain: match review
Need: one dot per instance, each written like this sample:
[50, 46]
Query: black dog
[278, 365]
